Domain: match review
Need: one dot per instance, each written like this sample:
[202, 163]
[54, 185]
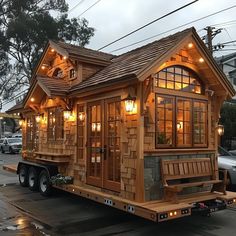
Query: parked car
[227, 161]
[16, 135]
[1, 142]
[11, 145]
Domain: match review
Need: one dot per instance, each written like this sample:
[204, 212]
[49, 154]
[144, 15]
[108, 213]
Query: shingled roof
[53, 87]
[78, 52]
[131, 63]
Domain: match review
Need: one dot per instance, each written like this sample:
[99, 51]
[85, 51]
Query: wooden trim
[139, 184]
[148, 70]
[164, 152]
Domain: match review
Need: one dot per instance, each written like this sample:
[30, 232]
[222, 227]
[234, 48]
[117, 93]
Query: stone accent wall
[152, 175]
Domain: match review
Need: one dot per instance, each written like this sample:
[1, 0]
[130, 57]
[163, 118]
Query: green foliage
[60, 180]
[27, 25]
[228, 119]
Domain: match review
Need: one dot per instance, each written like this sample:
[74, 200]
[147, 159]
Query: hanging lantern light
[38, 118]
[220, 130]
[129, 103]
[67, 114]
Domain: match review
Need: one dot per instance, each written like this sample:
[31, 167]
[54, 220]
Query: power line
[178, 27]
[134, 31]
[75, 6]
[90, 7]
[14, 97]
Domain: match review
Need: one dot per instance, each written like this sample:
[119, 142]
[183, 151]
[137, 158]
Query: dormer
[71, 63]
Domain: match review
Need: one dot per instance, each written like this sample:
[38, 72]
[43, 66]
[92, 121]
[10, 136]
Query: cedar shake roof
[85, 52]
[53, 87]
[131, 63]
[16, 108]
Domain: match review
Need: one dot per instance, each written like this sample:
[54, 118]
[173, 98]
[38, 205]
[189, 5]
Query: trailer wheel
[45, 186]
[23, 175]
[33, 179]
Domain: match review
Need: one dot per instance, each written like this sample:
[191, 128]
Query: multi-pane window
[80, 131]
[199, 121]
[178, 78]
[31, 133]
[183, 124]
[55, 123]
[186, 127]
[164, 120]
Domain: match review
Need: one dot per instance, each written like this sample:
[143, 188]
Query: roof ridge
[83, 48]
[159, 40]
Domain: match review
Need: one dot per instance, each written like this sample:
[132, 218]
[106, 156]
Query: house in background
[136, 131]
[228, 65]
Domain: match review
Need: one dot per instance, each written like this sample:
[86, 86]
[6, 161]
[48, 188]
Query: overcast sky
[114, 18]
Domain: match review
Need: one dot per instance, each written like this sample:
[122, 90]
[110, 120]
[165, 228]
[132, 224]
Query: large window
[55, 124]
[180, 122]
[178, 78]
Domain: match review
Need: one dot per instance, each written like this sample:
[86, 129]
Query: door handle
[104, 152]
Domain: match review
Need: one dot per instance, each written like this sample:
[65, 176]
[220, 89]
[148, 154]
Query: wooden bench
[188, 172]
[55, 158]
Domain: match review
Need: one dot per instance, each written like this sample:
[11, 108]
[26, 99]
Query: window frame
[58, 128]
[175, 98]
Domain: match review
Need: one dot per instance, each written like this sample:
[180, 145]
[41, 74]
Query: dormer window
[58, 73]
[72, 74]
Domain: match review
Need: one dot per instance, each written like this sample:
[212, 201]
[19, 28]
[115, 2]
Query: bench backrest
[186, 168]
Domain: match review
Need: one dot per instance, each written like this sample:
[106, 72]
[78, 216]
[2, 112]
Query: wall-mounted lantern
[21, 122]
[38, 118]
[220, 130]
[129, 103]
[67, 114]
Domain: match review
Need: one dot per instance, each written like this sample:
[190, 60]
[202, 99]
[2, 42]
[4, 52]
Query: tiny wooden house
[133, 129]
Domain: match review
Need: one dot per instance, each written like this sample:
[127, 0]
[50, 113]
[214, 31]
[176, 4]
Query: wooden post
[139, 196]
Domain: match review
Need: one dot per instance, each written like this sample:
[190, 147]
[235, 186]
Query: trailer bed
[156, 211]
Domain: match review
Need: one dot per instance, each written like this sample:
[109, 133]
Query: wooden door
[95, 144]
[103, 165]
[112, 144]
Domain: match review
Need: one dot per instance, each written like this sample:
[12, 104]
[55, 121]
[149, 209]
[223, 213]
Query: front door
[103, 163]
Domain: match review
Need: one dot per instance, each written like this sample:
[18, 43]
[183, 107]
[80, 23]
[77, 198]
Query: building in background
[228, 65]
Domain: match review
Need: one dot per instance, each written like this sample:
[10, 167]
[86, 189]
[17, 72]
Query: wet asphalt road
[23, 212]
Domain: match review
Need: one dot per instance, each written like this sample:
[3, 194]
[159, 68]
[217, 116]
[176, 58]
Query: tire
[2, 150]
[45, 187]
[11, 151]
[23, 175]
[33, 179]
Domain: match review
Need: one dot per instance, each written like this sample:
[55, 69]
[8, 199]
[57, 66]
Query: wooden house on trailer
[137, 131]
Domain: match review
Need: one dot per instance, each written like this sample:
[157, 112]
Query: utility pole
[211, 33]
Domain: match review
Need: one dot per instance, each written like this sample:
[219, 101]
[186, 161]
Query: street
[23, 212]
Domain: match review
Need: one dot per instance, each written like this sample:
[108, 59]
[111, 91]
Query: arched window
[178, 78]
[57, 73]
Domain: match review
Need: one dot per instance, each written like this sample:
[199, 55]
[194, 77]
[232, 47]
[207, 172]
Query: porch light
[129, 103]
[201, 60]
[32, 99]
[98, 127]
[81, 116]
[220, 130]
[190, 45]
[38, 118]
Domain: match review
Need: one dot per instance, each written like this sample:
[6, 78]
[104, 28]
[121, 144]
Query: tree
[228, 119]
[25, 28]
